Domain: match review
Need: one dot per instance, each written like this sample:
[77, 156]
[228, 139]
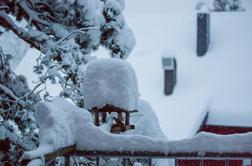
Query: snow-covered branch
[8, 23]
[8, 91]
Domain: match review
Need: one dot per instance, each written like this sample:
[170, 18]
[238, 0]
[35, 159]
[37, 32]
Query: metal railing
[70, 151]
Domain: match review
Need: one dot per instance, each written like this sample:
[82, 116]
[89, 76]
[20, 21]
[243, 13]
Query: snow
[14, 46]
[203, 83]
[137, 164]
[142, 119]
[220, 81]
[126, 40]
[36, 162]
[62, 124]
[110, 81]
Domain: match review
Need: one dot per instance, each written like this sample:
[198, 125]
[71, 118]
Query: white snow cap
[110, 81]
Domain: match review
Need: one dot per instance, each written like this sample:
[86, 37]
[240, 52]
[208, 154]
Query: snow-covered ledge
[63, 124]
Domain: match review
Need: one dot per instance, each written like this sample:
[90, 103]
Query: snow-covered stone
[110, 81]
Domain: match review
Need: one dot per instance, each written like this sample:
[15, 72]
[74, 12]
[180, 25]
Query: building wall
[224, 130]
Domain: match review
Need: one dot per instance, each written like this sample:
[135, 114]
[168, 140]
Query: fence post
[226, 162]
[201, 162]
[124, 162]
[52, 163]
[97, 161]
[149, 162]
[67, 160]
[96, 117]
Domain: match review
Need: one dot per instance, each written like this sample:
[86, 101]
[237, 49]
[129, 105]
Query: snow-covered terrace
[220, 81]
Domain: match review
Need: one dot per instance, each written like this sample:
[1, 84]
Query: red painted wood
[209, 163]
[224, 130]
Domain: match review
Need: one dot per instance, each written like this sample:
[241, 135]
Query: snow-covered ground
[220, 81]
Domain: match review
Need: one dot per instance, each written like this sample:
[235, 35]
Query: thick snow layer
[203, 83]
[142, 119]
[14, 46]
[110, 81]
[219, 82]
[62, 124]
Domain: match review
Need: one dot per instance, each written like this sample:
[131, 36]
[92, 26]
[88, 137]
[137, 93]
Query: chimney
[170, 74]
[203, 33]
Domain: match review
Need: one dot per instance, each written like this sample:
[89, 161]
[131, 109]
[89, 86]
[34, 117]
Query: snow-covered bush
[17, 121]
[67, 32]
[227, 5]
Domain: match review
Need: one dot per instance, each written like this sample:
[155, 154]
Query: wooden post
[124, 162]
[104, 117]
[127, 118]
[96, 117]
[119, 120]
[226, 162]
[201, 162]
[97, 161]
[149, 162]
[176, 162]
[52, 163]
[67, 160]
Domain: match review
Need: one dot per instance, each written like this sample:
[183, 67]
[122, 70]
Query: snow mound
[110, 81]
[55, 121]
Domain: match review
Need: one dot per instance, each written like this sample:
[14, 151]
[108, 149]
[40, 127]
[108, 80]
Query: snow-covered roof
[219, 82]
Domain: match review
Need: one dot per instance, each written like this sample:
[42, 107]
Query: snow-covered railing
[63, 124]
[71, 151]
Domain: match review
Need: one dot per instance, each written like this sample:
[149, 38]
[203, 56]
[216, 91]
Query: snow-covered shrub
[227, 5]
[17, 121]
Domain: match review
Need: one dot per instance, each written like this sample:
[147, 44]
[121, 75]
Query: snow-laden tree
[17, 122]
[67, 32]
[13, 45]
[227, 5]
